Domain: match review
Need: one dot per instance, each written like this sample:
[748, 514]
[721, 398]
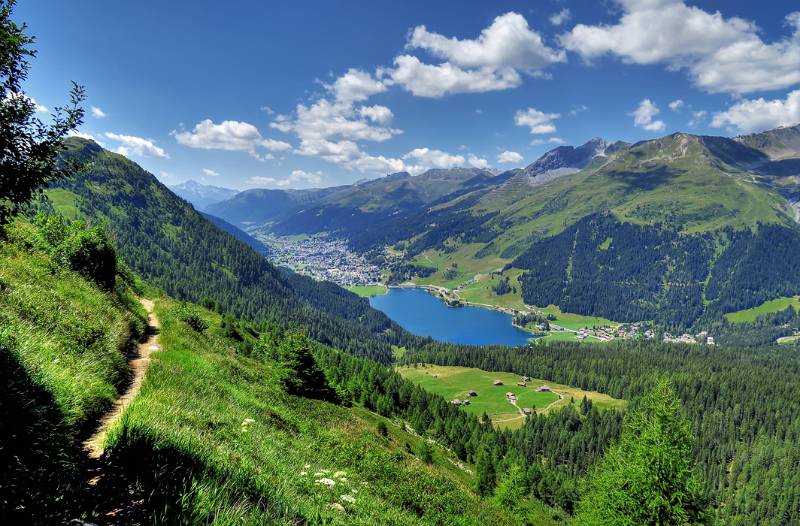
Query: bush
[192, 318]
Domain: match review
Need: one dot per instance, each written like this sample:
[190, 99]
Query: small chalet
[526, 378]
[498, 382]
[472, 393]
[544, 389]
[527, 411]
[455, 402]
[521, 384]
[509, 395]
[464, 402]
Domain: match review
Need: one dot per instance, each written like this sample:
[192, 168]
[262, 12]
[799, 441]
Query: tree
[298, 370]
[29, 148]
[648, 477]
[512, 488]
[484, 466]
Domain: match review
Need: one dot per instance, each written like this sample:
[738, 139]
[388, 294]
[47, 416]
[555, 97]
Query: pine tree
[648, 478]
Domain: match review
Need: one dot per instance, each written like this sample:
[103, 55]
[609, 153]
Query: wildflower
[303, 473]
[339, 474]
[348, 498]
[327, 482]
[336, 506]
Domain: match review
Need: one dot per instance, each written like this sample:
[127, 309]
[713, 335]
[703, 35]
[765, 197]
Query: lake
[426, 315]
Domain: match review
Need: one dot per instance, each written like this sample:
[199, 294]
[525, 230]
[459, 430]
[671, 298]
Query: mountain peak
[564, 160]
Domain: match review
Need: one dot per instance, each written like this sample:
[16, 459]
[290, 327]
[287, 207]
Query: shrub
[192, 318]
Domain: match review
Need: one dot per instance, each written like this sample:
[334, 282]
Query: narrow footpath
[138, 367]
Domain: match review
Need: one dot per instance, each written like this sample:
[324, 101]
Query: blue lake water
[426, 315]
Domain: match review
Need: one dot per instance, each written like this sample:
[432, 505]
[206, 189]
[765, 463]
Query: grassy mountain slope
[62, 359]
[213, 435]
[172, 246]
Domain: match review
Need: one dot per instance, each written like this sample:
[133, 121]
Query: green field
[768, 307]
[366, 291]
[454, 382]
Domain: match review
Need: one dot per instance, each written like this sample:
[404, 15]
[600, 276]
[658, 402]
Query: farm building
[455, 402]
[544, 389]
[472, 393]
[498, 382]
[509, 394]
[527, 411]
[526, 378]
[464, 402]
[521, 384]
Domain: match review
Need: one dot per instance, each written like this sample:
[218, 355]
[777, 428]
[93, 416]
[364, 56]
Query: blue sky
[300, 94]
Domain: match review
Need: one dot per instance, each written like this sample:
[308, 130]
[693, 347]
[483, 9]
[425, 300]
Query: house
[455, 402]
[472, 393]
[521, 384]
[509, 395]
[464, 402]
[544, 389]
[526, 378]
[710, 341]
[527, 411]
[498, 382]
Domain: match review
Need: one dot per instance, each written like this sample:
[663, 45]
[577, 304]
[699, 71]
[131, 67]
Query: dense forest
[630, 272]
[739, 402]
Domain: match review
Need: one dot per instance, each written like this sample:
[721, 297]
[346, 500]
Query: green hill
[175, 248]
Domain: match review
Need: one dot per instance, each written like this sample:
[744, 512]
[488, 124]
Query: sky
[300, 94]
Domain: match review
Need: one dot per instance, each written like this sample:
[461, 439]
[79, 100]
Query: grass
[63, 346]
[768, 307]
[65, 202]
[367, 291]
[256, 455]
[454, 382]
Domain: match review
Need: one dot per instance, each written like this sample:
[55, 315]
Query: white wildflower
[327, 482]
[348, 498]
[339, 474]
[303, 473]
[336, 506]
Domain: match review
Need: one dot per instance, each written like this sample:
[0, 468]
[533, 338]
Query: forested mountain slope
[172, 246]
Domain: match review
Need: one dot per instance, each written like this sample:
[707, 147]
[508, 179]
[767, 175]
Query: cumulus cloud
[492, 61]
[98, 113]
[209, 172]
[130, 144]
[677, 104]
[477, 162]
[751, 115]
[720, 54]
[82, 135]
[644, 117]
[230, 136]
[429, 158]
[561, 17]
[38, 108]
[377, 114]
[509, 157]
[356, 86]
[556, 140]
[538, 121]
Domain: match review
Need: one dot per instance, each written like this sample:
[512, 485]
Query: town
[321, 258]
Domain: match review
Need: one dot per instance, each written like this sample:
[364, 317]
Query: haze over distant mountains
[202, 195]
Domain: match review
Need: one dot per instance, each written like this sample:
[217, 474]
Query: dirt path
[138, 367]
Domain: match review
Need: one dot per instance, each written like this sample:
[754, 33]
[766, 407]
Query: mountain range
[689, 201]
[202, 195]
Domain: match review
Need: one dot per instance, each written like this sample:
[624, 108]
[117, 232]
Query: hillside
[175, 248]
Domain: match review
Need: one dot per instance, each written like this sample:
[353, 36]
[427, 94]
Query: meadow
[367, 291]
[454, 383]
[768, 307]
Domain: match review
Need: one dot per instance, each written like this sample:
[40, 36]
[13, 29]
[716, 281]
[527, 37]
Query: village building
[521, 384]
[544, 389]
[498, 382]
[472, 393]
[527, 411]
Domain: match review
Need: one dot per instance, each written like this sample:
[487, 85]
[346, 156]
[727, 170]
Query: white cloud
[537, 142]
[377, 114]
[477, 162]
[296, 177]
[427, 80]
[697, 118]
[82, 135]
[429, 158]
[720, 54]
[644, 117]
[580, 108]
[556, 140]
[561, 17]
[267, 110]
[538, 122]
[130, 144]
[356, 86]
[509, 157]
[209, 172]
[487, 63]
[677, 104]
[751, 115]
[98, 113]
[230, 136]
